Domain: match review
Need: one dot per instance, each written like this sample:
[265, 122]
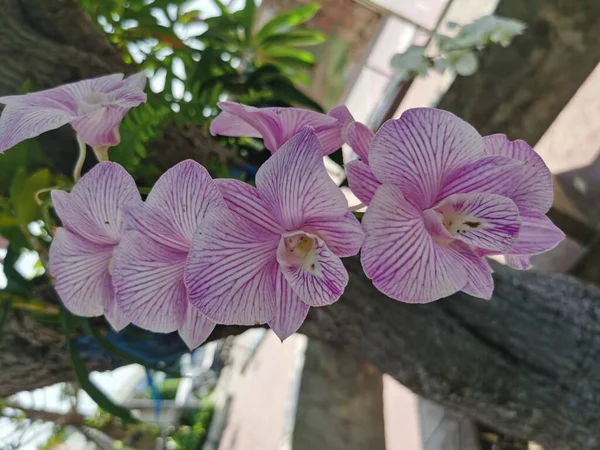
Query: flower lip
[92, 102]
[298, 249]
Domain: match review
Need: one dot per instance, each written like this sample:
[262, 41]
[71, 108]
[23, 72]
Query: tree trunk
[525, 363]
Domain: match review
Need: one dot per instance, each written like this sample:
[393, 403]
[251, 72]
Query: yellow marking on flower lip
[299, 249]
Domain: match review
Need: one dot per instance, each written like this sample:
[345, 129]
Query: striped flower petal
[535, 191]
[246, 201]
[94, 208]
[101, 127]
[81, 271]
[196, 328]
[401, 257]
[148, 278]
[277, 125]
[291, 311]
[359, 137]
[318, 282]
[361, 180]
[479, 273]
[230, 270]
[417, 150]
[114, 315]
[537, 234]
[492, 174]
[343, 235]
[296, 186]
[486, 221]
[519, 262]
[176, 205]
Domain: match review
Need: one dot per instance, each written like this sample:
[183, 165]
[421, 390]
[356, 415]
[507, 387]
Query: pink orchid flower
[82, 252]
[440, 198]
[94, 108]
[150, 260]
[276, 251]
[278, 125]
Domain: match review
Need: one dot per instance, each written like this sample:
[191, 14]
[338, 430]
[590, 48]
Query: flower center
[457, 223]
[298, 249]
[92, 102]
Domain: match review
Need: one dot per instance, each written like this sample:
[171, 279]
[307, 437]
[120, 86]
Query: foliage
[458, 53]
[192, 437]
[167, 389]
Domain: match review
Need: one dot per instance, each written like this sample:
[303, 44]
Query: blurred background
[527, 69]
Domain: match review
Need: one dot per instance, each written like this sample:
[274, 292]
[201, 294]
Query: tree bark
[525, 363]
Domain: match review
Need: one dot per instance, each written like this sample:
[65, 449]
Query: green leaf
[224, 10]
[286, 21]
[247, 18]
[23, 192]
[294, 38]
[82, 375]
[286, 53]
[28, 155]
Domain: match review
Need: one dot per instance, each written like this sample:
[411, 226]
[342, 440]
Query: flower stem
[101, 153]
[356, 207]
[80, 159]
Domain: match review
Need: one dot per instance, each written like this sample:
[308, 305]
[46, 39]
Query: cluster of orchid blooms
[199, 252]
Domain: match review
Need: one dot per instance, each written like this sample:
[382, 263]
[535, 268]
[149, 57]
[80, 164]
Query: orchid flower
[82, 251]
[150, 260]
[440, 198]
[276, 251]
[94, 108]
[278, 125]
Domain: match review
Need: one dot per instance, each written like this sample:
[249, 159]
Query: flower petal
[291, 311]
[277, 125]
[81, 89]
[296, 186]
[343, 235]
[101, 127]
[519, 262]
[332, 136]
[228, 124]
[493, 174]
[401, 257]
[479, 273]
[175, 207]
[245, 200]
[361, 180]
[81, 271]
[132, 92]
[115, 316]
[148, 278]
[486, 221]
[535, 191]
[196, 328]
[321, 283]
[20, 122]
[93, 209]
[359, 137]
[416, 152]
[537, 234]
[230, 270]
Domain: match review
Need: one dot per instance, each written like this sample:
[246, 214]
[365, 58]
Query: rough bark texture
[525, 363]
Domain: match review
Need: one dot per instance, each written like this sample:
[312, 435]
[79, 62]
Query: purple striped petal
[492, 174]
[81, 271]
[320, 279]
[132, 92]
[20, 122]
[227, 124]
[101, 127]
[296, 186]
[148, 279]
[245, 200]
[535, 191]
[175, 207]
[230, 270]
[518, 262]
[486, 221]
[114, 315]
[196, 328]
[361, 180]
[343, 235]
[332, 137]
[416, 152]
[82, 89]
[479, 273]
[359, 137]
[277, 125]
[401, 257]
[93, 209]
[537, 234]
[291, 311]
